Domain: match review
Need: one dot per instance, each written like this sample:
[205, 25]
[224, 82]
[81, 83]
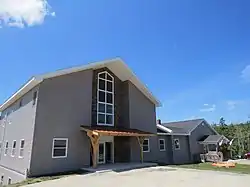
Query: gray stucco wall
[64, 104]
[142, 116]
[20, 125]
[195, 148]
[142, 113]
[182, 155]
[154, 155]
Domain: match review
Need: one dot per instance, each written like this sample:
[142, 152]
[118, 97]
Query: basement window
[60, 148]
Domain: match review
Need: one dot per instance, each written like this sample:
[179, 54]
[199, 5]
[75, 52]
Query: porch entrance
[103, 151]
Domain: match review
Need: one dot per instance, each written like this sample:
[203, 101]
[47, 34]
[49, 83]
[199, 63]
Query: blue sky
[193, 55]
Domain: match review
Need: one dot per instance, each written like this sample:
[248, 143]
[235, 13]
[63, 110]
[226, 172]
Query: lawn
[240, 168]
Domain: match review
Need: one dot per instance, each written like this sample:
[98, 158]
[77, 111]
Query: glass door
[101, 154]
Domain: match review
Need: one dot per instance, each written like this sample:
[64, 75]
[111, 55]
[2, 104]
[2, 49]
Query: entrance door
[101, 154]
[108, 152]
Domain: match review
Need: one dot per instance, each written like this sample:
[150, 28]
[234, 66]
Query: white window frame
[21, 148]
[66, 148]
[164, 144]
[105, 103]
[13, 149]
[146, 139]
[9, 181]
[179, 144]
[6, 148]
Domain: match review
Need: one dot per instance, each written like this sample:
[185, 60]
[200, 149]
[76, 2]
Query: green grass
[240, 168]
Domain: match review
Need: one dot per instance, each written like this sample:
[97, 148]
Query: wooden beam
[140, 141]
[94, 138]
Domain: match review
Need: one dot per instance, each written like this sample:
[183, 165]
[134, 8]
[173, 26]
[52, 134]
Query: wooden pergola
[94, 133]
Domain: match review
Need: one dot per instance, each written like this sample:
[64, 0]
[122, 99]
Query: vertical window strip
[105, 114]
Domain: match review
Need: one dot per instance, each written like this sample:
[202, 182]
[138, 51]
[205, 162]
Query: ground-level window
[162, 144]
[6, 148]
[60, 148]
[2, 177]
[13, 151]
[177, 144]
[21, 150]
[146, 147]
[9, 181]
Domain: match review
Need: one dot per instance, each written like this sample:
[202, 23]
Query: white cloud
[208, 108]
[232, 104]
[245, 74]
[21, 13]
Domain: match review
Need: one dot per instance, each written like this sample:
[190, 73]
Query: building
[185, 140]
[84, 116]
[72, 118]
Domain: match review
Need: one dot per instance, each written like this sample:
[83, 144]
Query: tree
[222, 121]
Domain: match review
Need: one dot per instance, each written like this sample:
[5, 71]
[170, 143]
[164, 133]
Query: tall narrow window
[162, 144]
[13, 151]
[105, 99]
[21, 150]
[145, 146]
[6, 148]
[2, 178]
[9, 181]
[177, 144]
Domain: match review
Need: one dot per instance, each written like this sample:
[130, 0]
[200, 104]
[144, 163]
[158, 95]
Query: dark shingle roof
[213, 139]
[183, 127]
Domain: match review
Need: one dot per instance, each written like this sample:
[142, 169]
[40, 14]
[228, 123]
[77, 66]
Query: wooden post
[94, 138]
[140, 141]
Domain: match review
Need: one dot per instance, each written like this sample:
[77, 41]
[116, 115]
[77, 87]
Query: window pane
[145, 148]
[109, 86]
[102, 75]
[59, 143]
[59, 152]
[145, 142]
[21, 152]
[22, 144]
[101, 118]
[109, 109]
[109, 98]
[109, 77]
[101, 96]
[101, 84]
[14, 144]
[109, 119]
[101, 107]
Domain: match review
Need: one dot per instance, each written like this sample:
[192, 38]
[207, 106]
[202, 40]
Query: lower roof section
[115, 131]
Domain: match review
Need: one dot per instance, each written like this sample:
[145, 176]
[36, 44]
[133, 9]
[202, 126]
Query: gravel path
[152, 177]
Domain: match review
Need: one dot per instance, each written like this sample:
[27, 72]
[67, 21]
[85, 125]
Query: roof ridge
[183, 121]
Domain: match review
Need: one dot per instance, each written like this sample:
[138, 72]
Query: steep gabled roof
[117, 66]
[185, 127]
